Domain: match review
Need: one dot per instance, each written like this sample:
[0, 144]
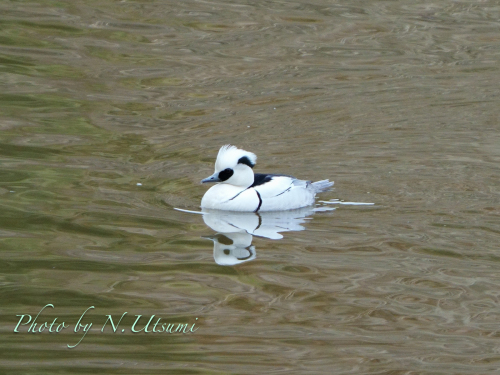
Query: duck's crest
[231, 155]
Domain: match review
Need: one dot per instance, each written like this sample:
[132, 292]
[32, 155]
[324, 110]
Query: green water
[111, 112]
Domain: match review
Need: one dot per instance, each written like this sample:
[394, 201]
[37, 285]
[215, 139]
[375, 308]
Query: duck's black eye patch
[225, 174]
[245, 160]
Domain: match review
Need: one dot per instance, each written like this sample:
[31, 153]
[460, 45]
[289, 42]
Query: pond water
[111, 112]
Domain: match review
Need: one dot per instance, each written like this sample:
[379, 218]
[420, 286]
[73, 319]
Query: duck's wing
[271, 185]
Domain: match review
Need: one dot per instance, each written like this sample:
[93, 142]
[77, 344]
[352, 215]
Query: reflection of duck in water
[232, 248]
[262, 224]
[233, 242]
[240, 189]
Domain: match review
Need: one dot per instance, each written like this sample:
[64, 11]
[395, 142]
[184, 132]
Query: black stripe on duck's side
[260, 202]
[262, 178]
[283, 192]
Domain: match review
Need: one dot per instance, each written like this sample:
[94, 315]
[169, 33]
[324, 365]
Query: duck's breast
[230, 198]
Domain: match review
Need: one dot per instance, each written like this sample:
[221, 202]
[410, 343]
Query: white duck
[240, 189]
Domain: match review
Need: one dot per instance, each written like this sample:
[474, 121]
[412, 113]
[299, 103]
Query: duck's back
[281, 192]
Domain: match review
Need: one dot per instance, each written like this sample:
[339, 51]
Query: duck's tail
[320, 186]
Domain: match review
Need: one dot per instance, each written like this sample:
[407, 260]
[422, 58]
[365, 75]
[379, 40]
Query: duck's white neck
[242, 176]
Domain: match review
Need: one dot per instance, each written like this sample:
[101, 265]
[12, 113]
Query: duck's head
[233, 166]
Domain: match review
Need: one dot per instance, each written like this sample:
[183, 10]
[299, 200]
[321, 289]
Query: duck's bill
[212, 178]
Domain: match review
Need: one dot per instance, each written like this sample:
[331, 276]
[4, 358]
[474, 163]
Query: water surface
[397, 102]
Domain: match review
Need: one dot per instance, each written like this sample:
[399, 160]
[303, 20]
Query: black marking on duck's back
[259, 179]
[245, 160]
[226, 174]
[260, 202]
[262, 178]
[283, 192]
